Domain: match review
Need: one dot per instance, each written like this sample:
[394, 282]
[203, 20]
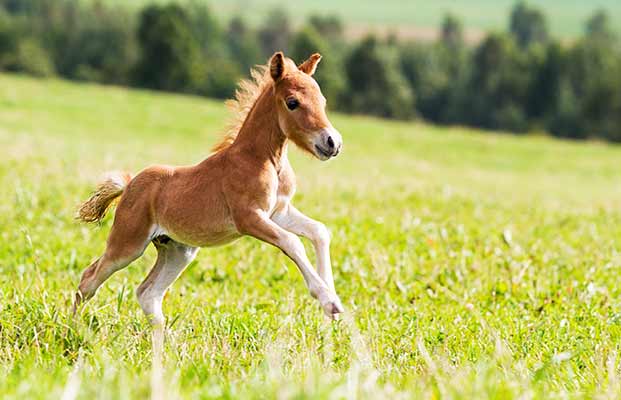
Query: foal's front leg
[258, 224]
[291, 219]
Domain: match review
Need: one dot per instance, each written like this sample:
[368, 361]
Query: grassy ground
[472, 265]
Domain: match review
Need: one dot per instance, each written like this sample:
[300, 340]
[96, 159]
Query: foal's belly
[196, 217]
[201, 234]
[210, 240]
[201, 224]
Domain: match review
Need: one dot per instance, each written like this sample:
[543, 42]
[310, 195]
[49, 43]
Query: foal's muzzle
[328, 143]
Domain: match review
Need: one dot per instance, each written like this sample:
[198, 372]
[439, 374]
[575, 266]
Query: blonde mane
[246, 94]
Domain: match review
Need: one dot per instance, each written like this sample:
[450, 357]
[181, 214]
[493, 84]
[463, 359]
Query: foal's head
[301, 107]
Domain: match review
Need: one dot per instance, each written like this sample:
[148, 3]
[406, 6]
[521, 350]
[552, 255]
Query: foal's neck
[260, 133]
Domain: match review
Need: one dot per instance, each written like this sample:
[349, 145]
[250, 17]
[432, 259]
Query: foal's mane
[246, 94]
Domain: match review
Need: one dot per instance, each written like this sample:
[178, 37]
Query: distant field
[566, 17]
[472, 265]
[420, 17]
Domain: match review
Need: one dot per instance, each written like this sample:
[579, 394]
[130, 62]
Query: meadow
[471, 265]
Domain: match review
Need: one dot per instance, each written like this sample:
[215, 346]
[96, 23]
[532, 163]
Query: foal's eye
[292, 104]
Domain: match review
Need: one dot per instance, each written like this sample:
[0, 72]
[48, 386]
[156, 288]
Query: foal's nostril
[330, 143]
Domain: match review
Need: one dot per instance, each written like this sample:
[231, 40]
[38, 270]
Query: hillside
[472, 264]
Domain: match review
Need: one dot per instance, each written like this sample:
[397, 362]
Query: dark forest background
[520, 80]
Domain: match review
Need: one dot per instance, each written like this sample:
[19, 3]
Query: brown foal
[244, 188]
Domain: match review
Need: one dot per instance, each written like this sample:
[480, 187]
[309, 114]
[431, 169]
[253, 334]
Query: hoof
[78, 299]
[332, 307]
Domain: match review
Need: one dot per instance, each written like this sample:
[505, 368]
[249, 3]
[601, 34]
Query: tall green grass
[472, 265]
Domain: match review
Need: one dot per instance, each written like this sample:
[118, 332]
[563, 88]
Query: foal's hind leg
[127, 241]
[172, 258]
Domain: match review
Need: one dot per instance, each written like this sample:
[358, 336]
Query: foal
[244, 188]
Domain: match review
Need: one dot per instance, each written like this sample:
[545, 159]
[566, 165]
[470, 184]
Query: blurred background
[548, 66]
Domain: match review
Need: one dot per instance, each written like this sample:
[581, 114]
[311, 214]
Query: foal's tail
[95, 208]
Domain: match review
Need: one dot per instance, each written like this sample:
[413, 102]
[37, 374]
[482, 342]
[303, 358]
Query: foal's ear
[277, 66]
[309, 66]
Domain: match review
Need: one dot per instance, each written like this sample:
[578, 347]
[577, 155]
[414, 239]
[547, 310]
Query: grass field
[472, 265]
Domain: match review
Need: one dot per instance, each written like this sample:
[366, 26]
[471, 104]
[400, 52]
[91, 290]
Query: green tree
[452, 33]
[438, 73]
[427, 76]
[21, 7]
[99, 47]
[528, 25]
[330, 27]
[275, 32]
[243, 44]
[215, 74]
[221, 78]
[170, 54]
[594, 72]
[8, 39]
[548, 68]
[375, 83]
[20, 51]
[598, 27]
[32, 59]
[205, 28]
[565, 120]
[499, 85]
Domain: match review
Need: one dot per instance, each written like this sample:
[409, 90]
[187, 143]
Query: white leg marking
[262, 227]
[294, 221]
[293, 247]
[172, 258]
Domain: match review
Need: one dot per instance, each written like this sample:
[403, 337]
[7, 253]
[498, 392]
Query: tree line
[519, 80]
